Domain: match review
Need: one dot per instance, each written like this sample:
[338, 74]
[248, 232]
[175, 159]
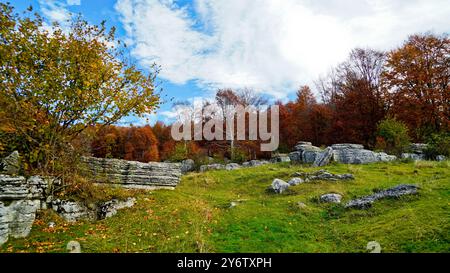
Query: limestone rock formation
[356, 154]
[73, 211]
[254, 163]
[204, 168]
[323, 158]
[133, 174]
[304, 152]
[395, 192]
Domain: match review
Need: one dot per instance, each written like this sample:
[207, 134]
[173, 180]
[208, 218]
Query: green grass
[196, 216]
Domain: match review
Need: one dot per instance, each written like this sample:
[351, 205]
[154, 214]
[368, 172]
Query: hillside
[197, 217]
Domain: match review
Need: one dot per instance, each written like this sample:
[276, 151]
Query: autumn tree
[417, 75]
[56, 83]
[353, 90]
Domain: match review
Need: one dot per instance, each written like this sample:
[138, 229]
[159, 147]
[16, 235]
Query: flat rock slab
[324, 175]
[395, 192]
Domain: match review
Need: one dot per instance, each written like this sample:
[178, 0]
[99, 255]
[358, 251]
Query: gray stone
[346, 146]
[304, 153]
[279, 186]
[280, 158]
[331, 198]
[133, 174]
[395, 192]
[254, 163]
[295, 181]
[323, 158]
[301, 205]
[110, 208]
[232, 166]
[384, 157]
[17, 218]
[324, 175]
[441, 158]
[73, 211]
[210, 167]
[13, 187]
[11, 164]
[415, 157]
[187, 165]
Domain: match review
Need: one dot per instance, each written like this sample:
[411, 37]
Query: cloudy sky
[272, 46]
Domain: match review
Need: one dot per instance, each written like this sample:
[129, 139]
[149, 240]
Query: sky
[270, 46]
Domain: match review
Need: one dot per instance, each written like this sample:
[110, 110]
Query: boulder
[11, 164]
[441, 158]
[279, 186]
[356, 154]
[304, 152]
[331, 198]
[232, 166]
[16, 219]
[395, 192]
[187, 165]
[323, 158]
[295, 181]
[384, 157]
[418, 148]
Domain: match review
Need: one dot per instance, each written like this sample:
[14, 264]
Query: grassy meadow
[197, 217]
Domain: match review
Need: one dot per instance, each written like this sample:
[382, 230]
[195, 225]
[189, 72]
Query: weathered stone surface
[345, 146]
[301, 205]
[73, 247]
[295, 181]
[348, 155]
[413, 156]
[187, 165]
[13, 187]
[73, 211]
[254, 163]
[16, 219]
[204, 168]
[331, 198]
[304, 153]
[323, 158]
[280, 158]
[441, 158]
[324, 175]
[11, 164]
[395, 192]
[232, 166]
[110, 208]
[279, 186]
[384, 157]
[132, 174]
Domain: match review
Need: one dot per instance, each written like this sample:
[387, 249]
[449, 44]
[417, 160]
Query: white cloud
[73, 2]
[269, 45]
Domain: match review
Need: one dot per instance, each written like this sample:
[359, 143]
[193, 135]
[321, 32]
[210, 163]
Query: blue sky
[271, 46]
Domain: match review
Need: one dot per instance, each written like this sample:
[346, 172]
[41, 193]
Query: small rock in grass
[331, 198]
[295, 181]
[279, 186]
[301, 205]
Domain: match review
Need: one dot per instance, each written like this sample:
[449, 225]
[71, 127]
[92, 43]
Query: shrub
[438, 144]
[392, 136]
